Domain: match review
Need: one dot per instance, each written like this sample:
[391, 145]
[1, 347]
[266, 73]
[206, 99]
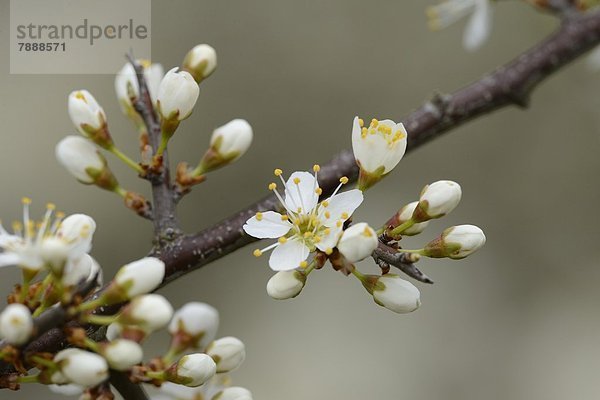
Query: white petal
[331, 240]
[345, 202]
[288, 256]
[479, 26]
[307, 199]
[8, 259]
[271, 226]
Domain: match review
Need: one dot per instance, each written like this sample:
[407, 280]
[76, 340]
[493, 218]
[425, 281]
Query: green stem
[43, 362]
[128, 161]
[159, 375]
[91, 344]
[402, 227]
[99, 319]
[170, 356]
[29, 379]
[164, 140]
[91, 305]
[120, 191]
[416, 251]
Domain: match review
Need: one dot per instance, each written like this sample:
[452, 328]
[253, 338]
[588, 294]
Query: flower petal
[8, 259]
[339, 204]
[303, 194]
[331, 240]
[288, 255]
[479, 26]
[271, 226]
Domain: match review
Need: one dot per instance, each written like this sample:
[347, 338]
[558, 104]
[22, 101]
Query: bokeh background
[518, 320]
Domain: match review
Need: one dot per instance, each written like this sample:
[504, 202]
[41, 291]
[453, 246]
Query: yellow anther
[303, 264]
[328, 251]
[60, 214]
[272, 186]
[51, 206]
[17, 226]
[317, 239]
[145, 62]
[297, 222]
[259, 216]
[338, 224]
[278, 172]
[364, 132]
[316, 168]
[324, 203]
[284, 217]
[327, 214]
[296, 180]
[327, 231]
[299, 210]
[361, 122]
[344, 180]
[38, 225]
[367, 232]
[257, 253]
[345, 215]
[374, 123]
[308, 234]
[319, 191]
[282, 240]
[26, 200]
[80, 96]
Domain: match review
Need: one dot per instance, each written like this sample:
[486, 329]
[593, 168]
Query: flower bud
[394, 293]
[149, 312]
[16, 324]
[437, 200]
[200, 62]
[377, 148]
[81, 269]
[286, 284]
[126, 83]
[122, 354]
[192, 370]
[82, 367]
[89, 118]
[358, 242]
[82, 159]
[233, 393]
[456, 242]
[228, 353]
[404, 215]
[228, 143]
[78, 230]
[137, 277]
[177, 95]
[66, 389]
[198, 321]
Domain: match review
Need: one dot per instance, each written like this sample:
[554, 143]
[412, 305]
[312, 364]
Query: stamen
[26, 202]
[345, 215]
[257, 253]
[277, 172]
[361, 122]
[282, 240]
[297, 182]
[259, 216]
[303, 264]
[328, 251]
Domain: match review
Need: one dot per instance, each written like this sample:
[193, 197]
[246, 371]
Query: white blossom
[234, 393]
[227, 352]
[438, 199]
[406, 214]
[228, 143]
[16, 324]
[85, 112]
[456, 242]
[478, 27]
[286, 284]
[82, 367]
[140, 277]
[177, 95]
[396, 294]
[81, 158]
[198, 320]
[358, 242]
[192, 370]
[200, 61]
[126, 81]
[207, 391]
[379, 147]
[122, 354]
[69, 389]
[81, 269]
[307, 225]
[149, 312]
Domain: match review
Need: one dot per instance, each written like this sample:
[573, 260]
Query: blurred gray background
[518, 320]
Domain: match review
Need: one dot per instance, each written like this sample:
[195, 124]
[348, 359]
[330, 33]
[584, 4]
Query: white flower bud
[85, 112]
[126, 81]
[228, 353]
[66, 390]
[233, 393]
[358, 242]
[140, 277]
[437, 200]
[16, 324]
[396, 294]
[77, 270]
[122, 354]
[200, 62]
[406, 214]
[198, 320]
[78, 229]
[377, 148]
[82, 367]
[192, 370]
[177, 95]
[114, 331]
[228, 143]
[456, 242]
[286, 284]
[81, 158]
[149, 312]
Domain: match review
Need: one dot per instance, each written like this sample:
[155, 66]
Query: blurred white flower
[80, 158]
[82, 367]
[199, 321]
[227, 352]
[200, 62]
[126, 83]
[16, 324]
[177, 95]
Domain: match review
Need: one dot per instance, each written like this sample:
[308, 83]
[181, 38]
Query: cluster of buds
[311, 231]
[156, 108]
